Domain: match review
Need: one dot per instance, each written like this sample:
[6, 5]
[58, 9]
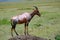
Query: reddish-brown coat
[22, 21]
[25, 18]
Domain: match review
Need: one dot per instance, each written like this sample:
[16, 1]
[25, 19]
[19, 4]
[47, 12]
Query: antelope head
[36, 11]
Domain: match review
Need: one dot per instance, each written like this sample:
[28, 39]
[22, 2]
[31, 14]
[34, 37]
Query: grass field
[46, 26]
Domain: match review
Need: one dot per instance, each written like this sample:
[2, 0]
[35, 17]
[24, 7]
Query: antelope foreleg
[26, 29]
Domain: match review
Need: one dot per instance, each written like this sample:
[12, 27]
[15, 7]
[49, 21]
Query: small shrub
[57, 37]
[4, 21]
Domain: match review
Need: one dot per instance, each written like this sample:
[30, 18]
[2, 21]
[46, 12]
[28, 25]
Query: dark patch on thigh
[14, 24]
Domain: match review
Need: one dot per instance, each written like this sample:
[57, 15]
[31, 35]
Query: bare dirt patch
[26, 37]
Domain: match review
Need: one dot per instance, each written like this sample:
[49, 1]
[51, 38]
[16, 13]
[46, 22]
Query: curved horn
[35, 7]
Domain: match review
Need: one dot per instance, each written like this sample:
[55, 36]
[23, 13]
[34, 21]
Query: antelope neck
[32, 15]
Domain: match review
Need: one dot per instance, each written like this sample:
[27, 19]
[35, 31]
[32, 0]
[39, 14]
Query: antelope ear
[33, 9]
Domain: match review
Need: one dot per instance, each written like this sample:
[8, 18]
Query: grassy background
[46, 26]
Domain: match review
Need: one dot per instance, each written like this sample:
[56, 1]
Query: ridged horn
[35, 7]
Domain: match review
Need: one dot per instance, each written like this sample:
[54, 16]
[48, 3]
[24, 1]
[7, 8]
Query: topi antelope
[24, 18]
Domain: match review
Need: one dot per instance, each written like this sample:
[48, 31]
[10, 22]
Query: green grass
[46, 26]
[57, 37]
